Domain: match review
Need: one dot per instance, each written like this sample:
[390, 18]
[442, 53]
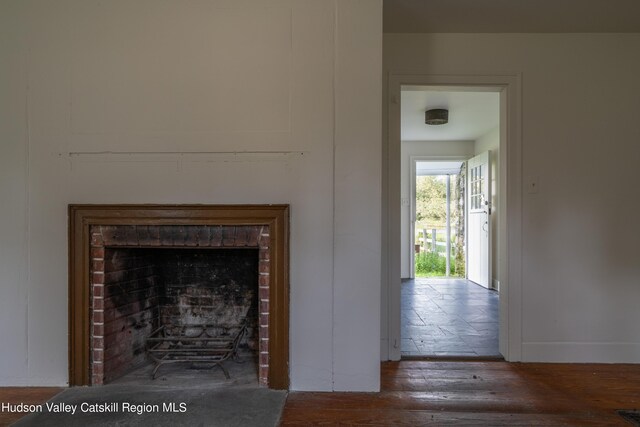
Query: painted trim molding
[510, 256]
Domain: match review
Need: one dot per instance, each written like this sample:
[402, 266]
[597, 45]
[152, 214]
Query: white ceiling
[511, 16]
[471, 114]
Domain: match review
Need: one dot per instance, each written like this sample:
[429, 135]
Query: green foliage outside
[430, 264]
[431, 202]
[431, 213]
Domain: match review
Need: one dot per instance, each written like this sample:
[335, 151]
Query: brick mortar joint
[99, 233]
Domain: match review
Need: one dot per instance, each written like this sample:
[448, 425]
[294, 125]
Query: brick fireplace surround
[93, 228]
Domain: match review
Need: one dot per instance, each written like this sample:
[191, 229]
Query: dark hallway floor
[448, 317]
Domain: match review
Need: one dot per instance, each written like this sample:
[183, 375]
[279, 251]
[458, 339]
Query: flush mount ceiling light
[436, 116]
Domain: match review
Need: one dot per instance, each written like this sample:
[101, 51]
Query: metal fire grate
[192, 343]
[632, 416]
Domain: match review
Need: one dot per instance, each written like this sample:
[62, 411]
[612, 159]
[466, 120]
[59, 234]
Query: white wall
[195, 102]
[491, 141]
[358, 205]
[432, 149]
[580, 133]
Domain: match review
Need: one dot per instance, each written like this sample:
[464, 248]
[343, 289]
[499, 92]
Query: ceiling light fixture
[437, 116]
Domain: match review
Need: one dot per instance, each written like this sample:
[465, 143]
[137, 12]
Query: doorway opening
[438, 219]
[509, 229]
[449, 291]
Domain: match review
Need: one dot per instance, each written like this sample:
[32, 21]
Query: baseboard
[562, 352]
[495, 284]
[384, 349]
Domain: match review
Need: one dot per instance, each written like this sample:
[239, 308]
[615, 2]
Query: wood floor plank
[437, 418]
[478, 393]
[437, 401]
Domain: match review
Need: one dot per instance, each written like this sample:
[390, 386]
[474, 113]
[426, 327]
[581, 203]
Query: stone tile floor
[448, 317]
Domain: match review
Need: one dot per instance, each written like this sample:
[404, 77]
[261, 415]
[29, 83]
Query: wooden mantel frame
[82, 217]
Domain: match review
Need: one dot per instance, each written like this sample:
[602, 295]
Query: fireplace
[135, 269]
[176, 278]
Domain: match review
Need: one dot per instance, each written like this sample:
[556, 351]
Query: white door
[478, 222]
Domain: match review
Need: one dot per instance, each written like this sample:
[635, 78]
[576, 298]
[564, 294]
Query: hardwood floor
[26, 395]
[434, 393]
[425, 393]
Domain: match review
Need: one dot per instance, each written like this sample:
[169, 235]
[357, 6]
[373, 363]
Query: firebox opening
[147, 288]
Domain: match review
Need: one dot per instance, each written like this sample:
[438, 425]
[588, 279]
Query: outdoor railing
[429, 241]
